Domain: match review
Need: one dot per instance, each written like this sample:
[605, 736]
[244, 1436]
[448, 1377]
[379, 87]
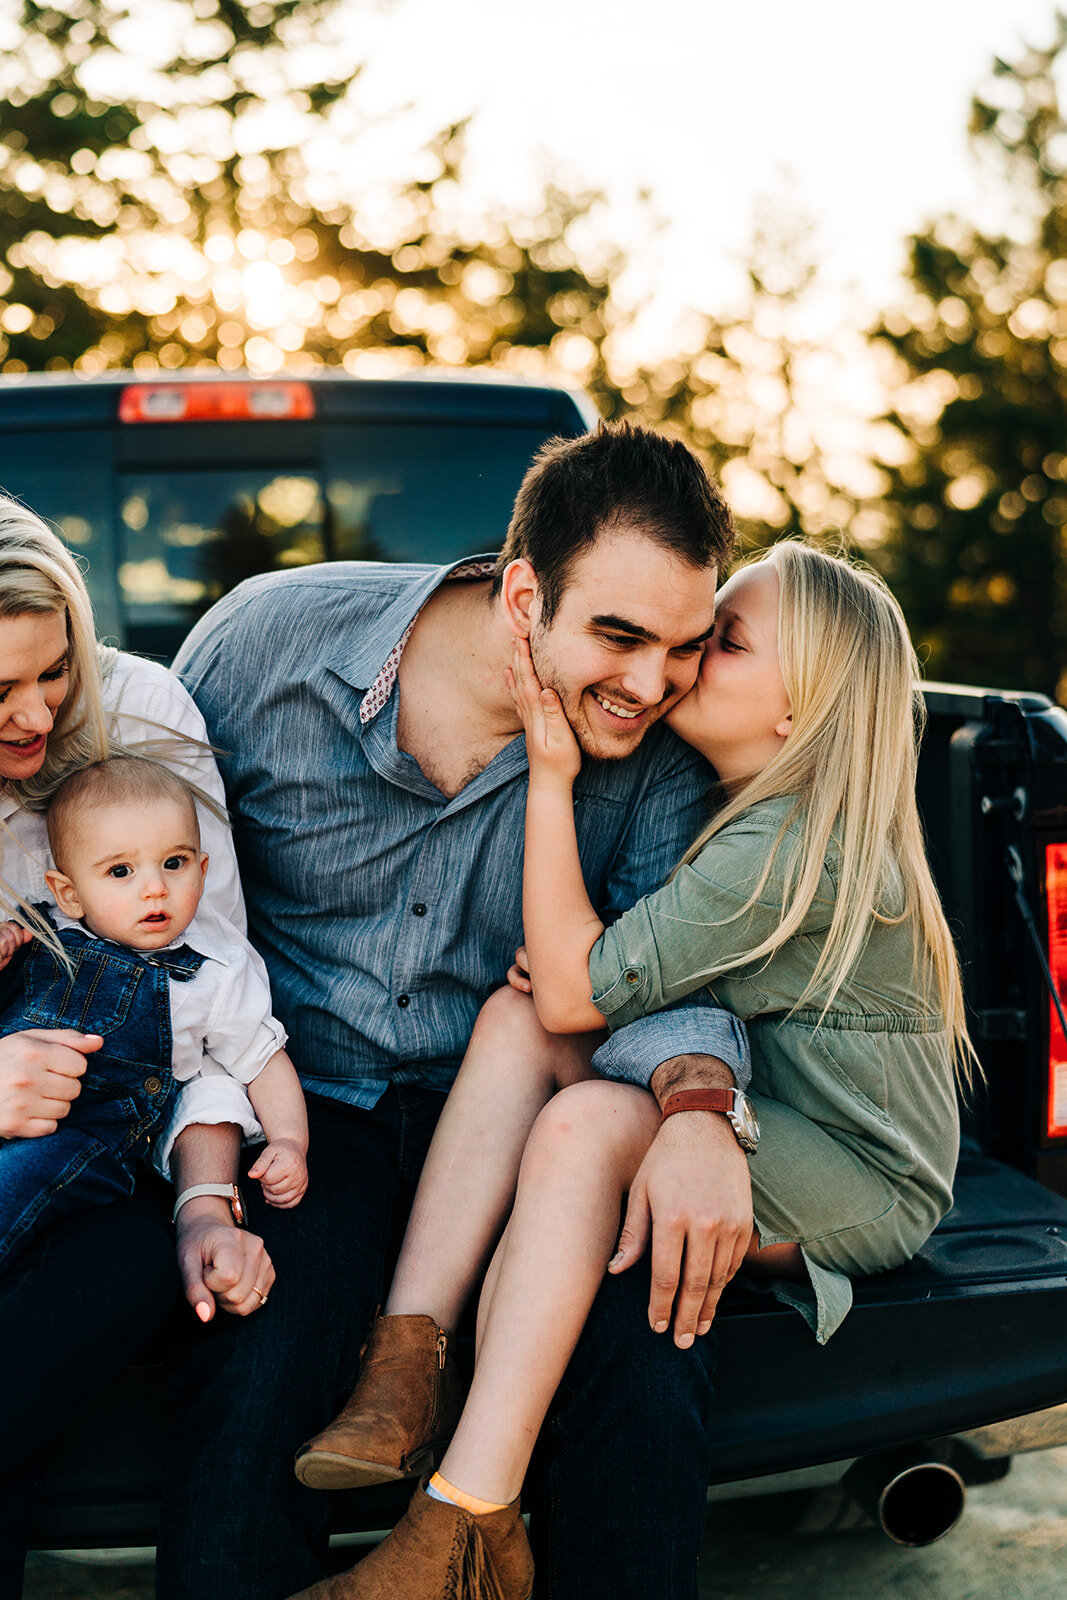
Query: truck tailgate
[970, 1332]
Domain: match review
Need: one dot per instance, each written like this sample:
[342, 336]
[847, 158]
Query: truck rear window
[170, 518]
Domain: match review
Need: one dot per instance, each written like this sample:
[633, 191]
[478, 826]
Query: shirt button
[419, 910]
[153, 1085]
[632, 975]
[403, 1000]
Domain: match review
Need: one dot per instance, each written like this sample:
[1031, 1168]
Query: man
[378, 789]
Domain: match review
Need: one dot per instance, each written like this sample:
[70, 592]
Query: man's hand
[692, 1196]
[220, 1265]
[40, 1071]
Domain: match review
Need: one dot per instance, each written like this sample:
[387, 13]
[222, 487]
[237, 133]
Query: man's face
[624, 645]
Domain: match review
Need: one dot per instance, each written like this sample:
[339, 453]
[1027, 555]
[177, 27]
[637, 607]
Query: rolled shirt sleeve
[211, 1097]
[697, 1027]
[215, 1060]
[673, 943]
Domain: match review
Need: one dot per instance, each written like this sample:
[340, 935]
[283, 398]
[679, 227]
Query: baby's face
[133, 873]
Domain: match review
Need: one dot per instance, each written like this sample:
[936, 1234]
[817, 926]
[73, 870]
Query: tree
[755, 394]
[974, 444]
[164, 202]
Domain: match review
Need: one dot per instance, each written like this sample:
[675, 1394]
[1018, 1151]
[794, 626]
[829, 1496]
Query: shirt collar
[194, 936]
[372, 662]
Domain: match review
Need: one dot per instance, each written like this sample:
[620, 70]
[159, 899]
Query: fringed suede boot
[401, 1414]
[439, 1551]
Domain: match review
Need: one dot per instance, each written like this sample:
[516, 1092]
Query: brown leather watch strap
[721, 1100]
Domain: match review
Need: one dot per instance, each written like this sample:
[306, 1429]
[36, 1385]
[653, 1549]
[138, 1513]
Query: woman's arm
[559, 921]
[220, 1264]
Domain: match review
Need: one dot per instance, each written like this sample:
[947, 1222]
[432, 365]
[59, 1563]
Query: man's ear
[64, 894]
[520, 597]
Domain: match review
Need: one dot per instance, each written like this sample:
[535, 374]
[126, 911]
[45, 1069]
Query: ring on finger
[263, 1298]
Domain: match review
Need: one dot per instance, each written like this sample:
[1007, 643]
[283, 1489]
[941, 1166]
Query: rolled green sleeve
[682, 937]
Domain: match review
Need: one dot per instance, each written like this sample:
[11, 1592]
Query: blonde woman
[807, 907]
[93, 1291]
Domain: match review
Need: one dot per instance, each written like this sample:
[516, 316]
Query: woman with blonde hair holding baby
[106, 1279]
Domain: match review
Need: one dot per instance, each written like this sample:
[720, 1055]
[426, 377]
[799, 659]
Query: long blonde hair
[849, 763]
[39, 577]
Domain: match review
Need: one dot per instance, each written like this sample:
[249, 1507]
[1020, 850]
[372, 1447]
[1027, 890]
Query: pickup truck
[174, 489]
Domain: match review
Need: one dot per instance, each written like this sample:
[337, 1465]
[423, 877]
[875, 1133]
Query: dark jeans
[619, 1489]
[82, 1301]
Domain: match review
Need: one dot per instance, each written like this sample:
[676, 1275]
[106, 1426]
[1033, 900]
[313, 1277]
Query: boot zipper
[435, 1404]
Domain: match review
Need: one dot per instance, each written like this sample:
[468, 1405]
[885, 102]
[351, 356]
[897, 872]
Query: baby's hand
[12, 937]
[282, 1169]
[551, 748]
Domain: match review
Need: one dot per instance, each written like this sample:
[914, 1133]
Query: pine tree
[975, 442]
[160, 207]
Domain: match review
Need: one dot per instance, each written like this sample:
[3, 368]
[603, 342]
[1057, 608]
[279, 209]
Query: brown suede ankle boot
[438, 1551]
[400, 1416]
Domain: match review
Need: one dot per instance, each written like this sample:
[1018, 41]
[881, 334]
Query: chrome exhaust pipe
[914, 1500]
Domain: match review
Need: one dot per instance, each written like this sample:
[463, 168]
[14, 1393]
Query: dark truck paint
[969, 1334]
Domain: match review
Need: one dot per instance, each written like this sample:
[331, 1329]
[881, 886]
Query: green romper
[858, 1114]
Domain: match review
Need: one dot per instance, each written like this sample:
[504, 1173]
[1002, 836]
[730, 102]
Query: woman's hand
[519, 972]
[12, 937]
[551, 748]
[40, 1074]
[221, 1265]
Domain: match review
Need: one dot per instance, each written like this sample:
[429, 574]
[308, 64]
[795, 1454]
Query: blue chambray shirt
[386, 913]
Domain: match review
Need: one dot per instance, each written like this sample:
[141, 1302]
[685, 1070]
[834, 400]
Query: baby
[169, 995]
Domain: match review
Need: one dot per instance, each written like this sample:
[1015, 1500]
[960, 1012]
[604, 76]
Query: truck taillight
[244, 401]
[1056, 892]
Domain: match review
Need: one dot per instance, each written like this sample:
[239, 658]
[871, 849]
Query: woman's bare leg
[775, 1260]
[511, 1069]
[580, 1159]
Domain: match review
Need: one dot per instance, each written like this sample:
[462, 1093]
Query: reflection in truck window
[425, 493]
[186, 538]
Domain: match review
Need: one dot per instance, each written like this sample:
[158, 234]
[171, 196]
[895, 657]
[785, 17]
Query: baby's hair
[117, 780]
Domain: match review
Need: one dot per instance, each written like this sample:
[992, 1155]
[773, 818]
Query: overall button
[632, 975]
[403, 1000]
[153, 1085]
[419, 910]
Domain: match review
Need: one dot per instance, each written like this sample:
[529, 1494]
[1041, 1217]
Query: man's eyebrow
[635, 631]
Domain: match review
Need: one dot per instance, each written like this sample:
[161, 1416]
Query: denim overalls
[91, 1158]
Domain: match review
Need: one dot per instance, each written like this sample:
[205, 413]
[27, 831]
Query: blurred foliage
[750, 393]
[161, 205]
[171, 195]
[974, 445]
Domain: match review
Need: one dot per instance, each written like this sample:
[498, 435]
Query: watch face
[745, 1121]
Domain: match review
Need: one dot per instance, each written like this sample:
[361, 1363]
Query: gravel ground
[1011, 1545]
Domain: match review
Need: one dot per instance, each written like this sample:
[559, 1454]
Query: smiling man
[377, 778]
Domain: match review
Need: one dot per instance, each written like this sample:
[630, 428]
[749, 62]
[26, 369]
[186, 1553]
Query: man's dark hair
[620, 476]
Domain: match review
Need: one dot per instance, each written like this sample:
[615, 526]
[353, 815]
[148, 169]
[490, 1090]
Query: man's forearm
[690, 1072]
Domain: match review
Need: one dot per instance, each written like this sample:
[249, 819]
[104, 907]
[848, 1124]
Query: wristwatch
[226, 1191]
[730, 1103]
